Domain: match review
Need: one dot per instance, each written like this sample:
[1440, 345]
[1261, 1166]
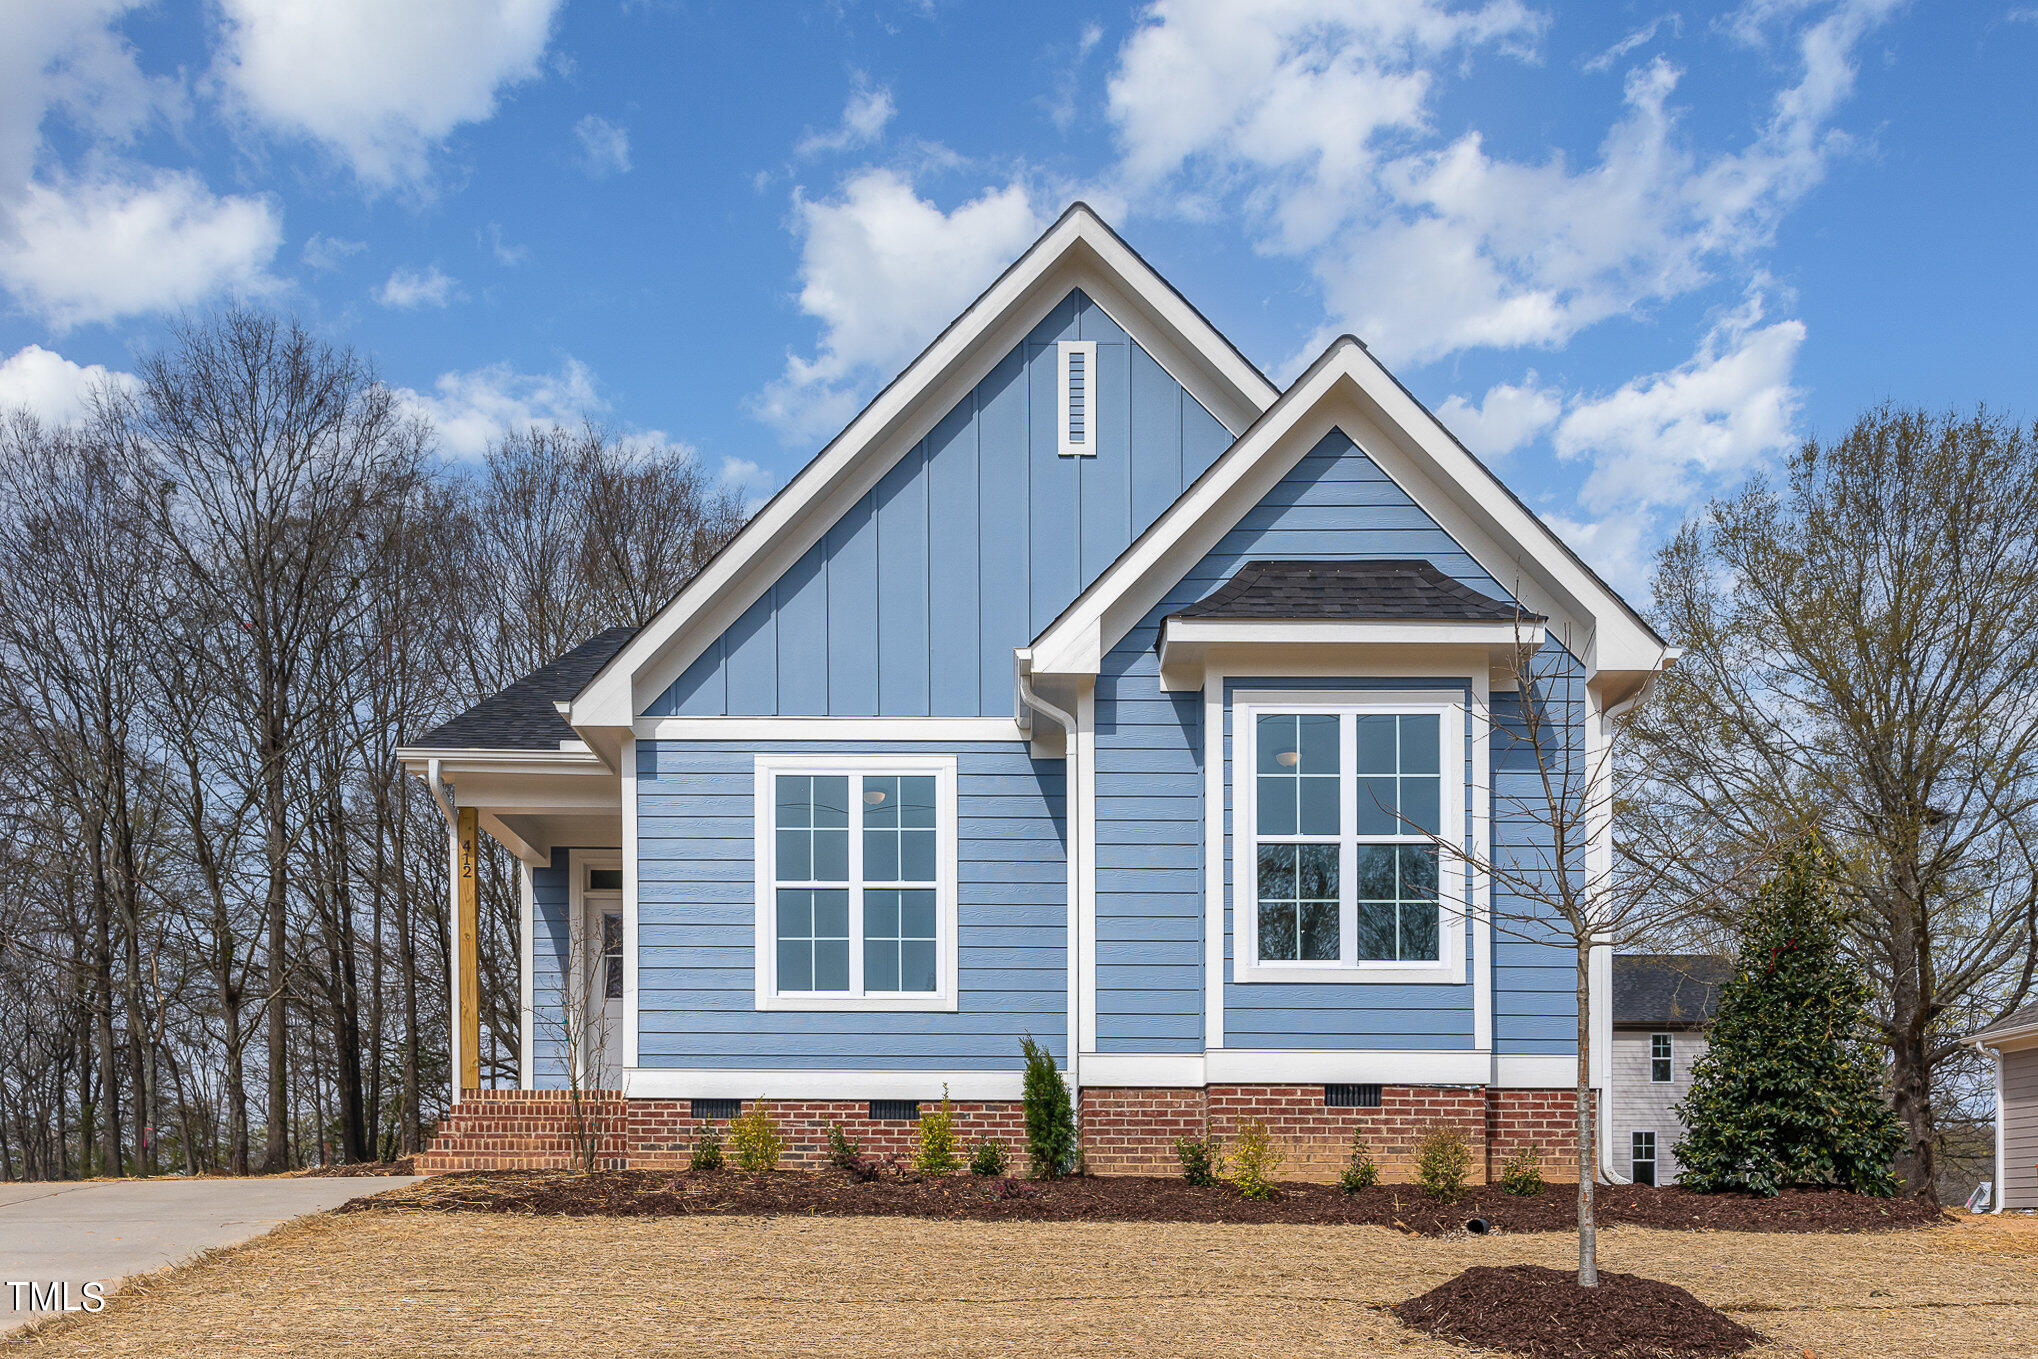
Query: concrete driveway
[81, 1233]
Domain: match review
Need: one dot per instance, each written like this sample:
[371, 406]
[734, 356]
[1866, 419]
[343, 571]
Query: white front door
[601, 933]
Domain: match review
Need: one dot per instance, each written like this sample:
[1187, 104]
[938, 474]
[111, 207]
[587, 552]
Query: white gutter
[438, 787]
[1031, 702]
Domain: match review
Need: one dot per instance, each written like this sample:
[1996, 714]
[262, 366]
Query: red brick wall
[1125, 1131]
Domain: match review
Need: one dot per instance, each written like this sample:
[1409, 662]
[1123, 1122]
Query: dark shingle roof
[1670, 989]
[2023, 1017]
[1384, 591]
[522, 717]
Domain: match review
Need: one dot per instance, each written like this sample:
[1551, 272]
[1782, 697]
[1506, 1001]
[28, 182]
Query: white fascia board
[838, 729]
[1346, 388]
[801, 1083]
[1170, 1071]
[1347, 632]
[2008, 1040]
[1078, 251]
[418, 759]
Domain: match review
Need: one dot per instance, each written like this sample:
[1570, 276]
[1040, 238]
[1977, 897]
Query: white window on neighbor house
[856, 883]
[1643, 1157]
[1659, 1058]
[1340, 806]
[1078, 407]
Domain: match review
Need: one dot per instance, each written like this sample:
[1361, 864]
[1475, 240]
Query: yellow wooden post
[469, 962]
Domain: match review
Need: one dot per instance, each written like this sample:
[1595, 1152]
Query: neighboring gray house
[1089, 686]
[2014, 1045]
[1661, 1005]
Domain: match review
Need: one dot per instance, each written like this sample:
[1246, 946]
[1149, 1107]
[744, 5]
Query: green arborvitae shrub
[1789, 1091]
[989, 1158]
[1359, 1172]
[707, 1153]
[1522, 1172]
[1050, 1118]
[1199, 1158]
[1255, 1159]
[937, 1140]
[1442, 1161]
[757, 1138]
[844, 1151]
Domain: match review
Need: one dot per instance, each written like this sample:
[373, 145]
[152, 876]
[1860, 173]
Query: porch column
[467, 952]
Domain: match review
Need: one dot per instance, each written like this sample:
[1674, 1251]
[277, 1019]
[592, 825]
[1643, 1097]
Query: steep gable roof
[1078, 251]
[525, 716]
[1347, 387]
[1674, 990]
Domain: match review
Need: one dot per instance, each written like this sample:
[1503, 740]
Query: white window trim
[1654, 1159]
[1671, 1056]
[1088, 447]
[942, 767]
[583, 950]
[1247, 966]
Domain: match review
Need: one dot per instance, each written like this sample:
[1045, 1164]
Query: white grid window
[1642, 1146]
[856, 885]
[1660, 1050]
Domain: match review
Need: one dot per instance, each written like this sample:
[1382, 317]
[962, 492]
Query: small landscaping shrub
[1442, 1162]
[1359, 1172]
[1009, 1188]
[868, 1168]
[989, 1158]
[1522, 1172]
[937, 1140]
[1255, 1159]
[707, 1153]
[1050, 1118]
[843, 1150]
[758, 1140]
[1199, 1159]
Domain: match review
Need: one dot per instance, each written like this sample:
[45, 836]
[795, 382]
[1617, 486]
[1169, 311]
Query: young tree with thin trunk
[1862, 662]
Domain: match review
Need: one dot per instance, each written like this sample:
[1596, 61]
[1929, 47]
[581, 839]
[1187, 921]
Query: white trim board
[791, 1083]
[828, 729]
[1078, 251]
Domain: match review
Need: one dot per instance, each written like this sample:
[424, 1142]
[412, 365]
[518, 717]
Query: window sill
[1397, 974]
[859, 1004]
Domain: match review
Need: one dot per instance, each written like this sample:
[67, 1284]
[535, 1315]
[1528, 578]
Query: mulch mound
[832, 1193]
[1543, 1313]
[406, 1165]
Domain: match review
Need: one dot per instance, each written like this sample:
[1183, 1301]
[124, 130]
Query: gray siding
[912, 603]
[696, 919]
[2020, 1129]
[1640, 1105]
[1336, 503]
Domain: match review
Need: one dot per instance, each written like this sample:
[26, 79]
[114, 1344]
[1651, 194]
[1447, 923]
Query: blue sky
[1630, 253]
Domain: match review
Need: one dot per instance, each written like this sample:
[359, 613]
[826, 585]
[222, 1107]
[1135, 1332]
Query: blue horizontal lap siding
[551, 938]
[1336, 503]
[696, 919]
[911, 604]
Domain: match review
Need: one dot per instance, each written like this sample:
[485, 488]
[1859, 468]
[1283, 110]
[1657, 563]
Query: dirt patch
[793, 1193]
[1543, 1313]
[406, 1165]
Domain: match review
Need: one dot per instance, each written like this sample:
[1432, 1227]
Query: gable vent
[1078, 397]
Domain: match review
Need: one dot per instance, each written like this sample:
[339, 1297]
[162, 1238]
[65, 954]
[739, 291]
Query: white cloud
[1666, 437]
[327, 253]
[1640, 37]
[474, 407]
[604, 147]
[747, 479]
[506, 252]
[409, 289]
[51, 386]
[864, 119]
[97, 249]
[1313, 118]
[883, 269]
[1508, 416]
[67, 57]
[380, 82]
[1621, 548]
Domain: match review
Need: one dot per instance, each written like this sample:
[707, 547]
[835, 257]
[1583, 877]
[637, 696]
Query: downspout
[1031, 702]
[438, 787]
[1605, 1139]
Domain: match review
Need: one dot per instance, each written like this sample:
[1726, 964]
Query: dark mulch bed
[406, 1165]
[639, 1193]
[1543, 1313]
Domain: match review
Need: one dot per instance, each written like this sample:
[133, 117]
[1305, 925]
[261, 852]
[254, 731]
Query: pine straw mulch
[404, 1165]
[833, 1193]
[1543, 1313]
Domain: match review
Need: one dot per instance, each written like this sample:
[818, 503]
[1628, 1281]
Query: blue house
[1088, 686]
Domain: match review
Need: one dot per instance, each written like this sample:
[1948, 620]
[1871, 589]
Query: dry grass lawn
[454, 1284]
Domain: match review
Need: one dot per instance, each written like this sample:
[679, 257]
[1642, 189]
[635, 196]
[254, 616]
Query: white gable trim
[1078, 251]
[1348, 389]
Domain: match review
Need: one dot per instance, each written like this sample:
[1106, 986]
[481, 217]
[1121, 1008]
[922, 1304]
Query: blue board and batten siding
[696, 919]
[912, 603]
[1335, 503]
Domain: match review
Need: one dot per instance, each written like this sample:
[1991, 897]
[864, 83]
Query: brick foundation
[1125, 1131]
